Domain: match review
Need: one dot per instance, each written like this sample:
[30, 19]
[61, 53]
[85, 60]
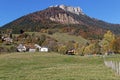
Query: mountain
[67, 18]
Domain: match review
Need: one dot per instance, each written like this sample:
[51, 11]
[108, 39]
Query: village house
[70, 52]
[31, 48]
[21, 48]
[41, 49]
[7, 39]
[44, 49]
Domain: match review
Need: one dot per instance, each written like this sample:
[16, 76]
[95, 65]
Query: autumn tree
[41, 39]
[62, 49]
[53, 46]
[9, 33]
[107, 40]
[76, 47]
[93, 48]
[115, 45]
[70, 45]
[83, 48]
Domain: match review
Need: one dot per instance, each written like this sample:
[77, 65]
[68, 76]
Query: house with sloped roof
[21, 48]
[44, 49]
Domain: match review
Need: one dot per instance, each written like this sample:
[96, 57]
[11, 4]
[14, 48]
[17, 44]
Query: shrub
[62, 49]
[12, 49]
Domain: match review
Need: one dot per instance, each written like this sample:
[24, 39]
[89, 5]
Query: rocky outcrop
[64, 18]
[75, 10]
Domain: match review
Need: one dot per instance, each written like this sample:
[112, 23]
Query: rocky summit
[75, 10]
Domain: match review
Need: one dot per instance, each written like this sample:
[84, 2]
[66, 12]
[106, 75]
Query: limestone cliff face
[75, 10]
[64, 18]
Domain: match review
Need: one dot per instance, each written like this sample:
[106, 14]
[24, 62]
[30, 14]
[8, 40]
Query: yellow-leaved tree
[109, 37]
[115, 45]
[93, 48]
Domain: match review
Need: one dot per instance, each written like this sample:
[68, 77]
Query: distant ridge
[61, 16]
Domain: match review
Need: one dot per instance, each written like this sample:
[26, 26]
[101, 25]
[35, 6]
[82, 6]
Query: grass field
[64, 37]
[53, 66]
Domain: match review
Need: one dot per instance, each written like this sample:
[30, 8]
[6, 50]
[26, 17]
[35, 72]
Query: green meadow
[63, 37]
[53, 66]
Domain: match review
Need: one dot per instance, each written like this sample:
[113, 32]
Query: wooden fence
[114, 65]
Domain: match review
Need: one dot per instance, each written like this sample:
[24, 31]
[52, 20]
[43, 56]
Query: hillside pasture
[63, 37]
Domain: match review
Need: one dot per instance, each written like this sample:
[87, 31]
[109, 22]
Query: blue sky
[107, 10]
